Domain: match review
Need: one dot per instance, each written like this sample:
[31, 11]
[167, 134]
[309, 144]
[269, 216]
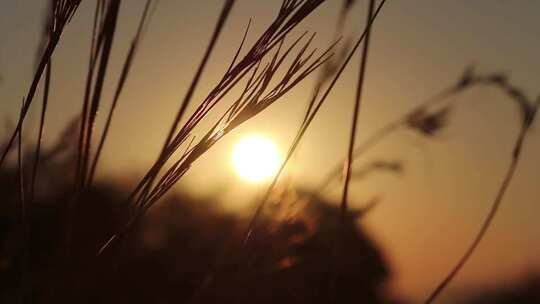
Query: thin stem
[55, 37]
[106, 40]
[305, 126]
[26, 205]
[87, 90]
[385, 131]
[103, 47]
[225, 11]
[23, 214]
[121, 82]
[370, 142]
[487, 222]
[41, 130]
[145, 185]
[348, 164]
[356, 111]
[516, 155]
[59, 17]
[227, 6]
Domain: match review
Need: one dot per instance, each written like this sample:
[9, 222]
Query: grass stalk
[382, 134]
[62, 12]
[105, 42]
[225, 11]
[356, 112]
[338, 246]
[22, 214]
[105, 21]
[303, 128]
[87, 90]
[510, 172]
[30, 95]
[121, 82]
[37, 157]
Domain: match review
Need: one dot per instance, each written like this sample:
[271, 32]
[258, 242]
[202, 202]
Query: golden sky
[429, 215]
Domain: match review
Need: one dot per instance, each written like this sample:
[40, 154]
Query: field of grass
[68, 236]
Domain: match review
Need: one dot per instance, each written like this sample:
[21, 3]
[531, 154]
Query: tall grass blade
[121, 82]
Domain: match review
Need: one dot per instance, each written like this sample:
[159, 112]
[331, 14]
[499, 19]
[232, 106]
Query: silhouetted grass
[120, 86]
[258, 94]
[23, 217]
[62, 12]
[312, 112]
[528, 112]
[271, 67]
[338, 246]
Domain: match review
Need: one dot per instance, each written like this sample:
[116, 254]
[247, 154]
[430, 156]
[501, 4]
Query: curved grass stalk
[529, 116]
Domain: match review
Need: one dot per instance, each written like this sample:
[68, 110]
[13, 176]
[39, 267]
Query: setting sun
[255, 158]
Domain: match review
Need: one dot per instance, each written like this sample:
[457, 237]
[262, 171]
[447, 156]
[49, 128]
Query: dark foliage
[526, 292]
[185, 250]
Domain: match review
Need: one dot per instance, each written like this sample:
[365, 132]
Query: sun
[255, 158]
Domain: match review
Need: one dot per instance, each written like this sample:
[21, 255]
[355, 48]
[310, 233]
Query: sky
[428, 215]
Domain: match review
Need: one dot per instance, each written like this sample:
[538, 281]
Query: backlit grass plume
[263, 87]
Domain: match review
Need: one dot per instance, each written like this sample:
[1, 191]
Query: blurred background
[426, 216]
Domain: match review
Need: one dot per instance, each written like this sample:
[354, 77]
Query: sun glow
[255, 158]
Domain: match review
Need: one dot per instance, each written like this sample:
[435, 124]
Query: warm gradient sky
[428, 215]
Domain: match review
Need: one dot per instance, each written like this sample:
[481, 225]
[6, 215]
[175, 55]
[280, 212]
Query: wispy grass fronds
[61, 13]
[289, 16]
[312, 111]
[257, 97]
[259, 93]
